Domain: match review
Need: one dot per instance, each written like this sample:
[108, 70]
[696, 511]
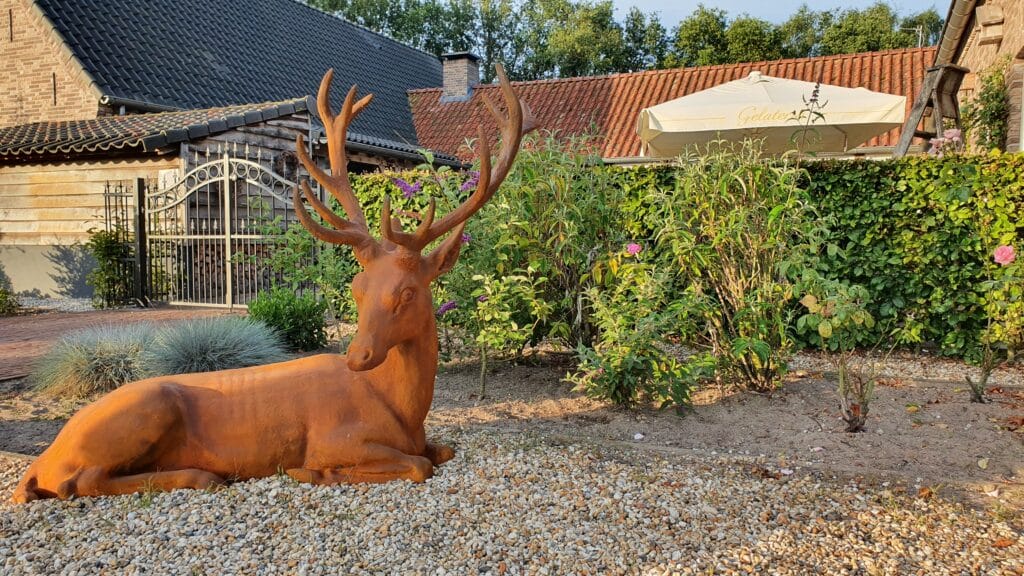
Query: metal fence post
[141, 256]
[227, 192]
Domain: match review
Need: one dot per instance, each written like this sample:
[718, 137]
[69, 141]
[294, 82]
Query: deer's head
[392, 292]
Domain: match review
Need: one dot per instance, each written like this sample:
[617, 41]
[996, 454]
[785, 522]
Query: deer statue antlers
[354, 232]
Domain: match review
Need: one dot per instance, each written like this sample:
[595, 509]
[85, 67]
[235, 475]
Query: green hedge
[919, 233]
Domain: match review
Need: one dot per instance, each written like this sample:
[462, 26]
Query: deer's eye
[407, 295]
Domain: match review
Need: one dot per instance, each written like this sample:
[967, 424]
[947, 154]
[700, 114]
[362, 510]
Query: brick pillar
[461, 71]
[1015, 123]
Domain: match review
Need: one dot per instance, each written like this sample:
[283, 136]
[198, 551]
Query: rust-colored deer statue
[323, 419]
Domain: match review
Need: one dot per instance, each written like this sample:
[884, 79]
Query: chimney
[461, 72]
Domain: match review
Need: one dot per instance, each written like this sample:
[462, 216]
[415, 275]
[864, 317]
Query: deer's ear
[444, 257]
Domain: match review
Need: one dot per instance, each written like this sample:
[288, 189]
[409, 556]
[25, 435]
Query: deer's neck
[406, 377]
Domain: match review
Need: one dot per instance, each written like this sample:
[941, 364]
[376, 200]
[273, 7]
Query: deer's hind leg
[379, 464]
[97, 482]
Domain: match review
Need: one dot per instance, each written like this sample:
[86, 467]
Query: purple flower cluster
[474, 179]
[408, 190]
[466, 238]
[481, 298]
[633, 248]
[447, 307]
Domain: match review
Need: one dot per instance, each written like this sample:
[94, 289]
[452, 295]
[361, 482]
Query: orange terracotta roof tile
[611, 104]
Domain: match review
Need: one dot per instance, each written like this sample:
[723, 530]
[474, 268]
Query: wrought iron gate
[207, 235]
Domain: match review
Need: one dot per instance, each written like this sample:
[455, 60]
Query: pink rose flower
[633, 248]
[1004, 255]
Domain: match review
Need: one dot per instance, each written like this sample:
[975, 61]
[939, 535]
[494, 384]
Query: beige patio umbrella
[763, 107]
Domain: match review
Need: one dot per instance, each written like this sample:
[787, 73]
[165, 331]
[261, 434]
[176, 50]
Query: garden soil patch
[923, 433]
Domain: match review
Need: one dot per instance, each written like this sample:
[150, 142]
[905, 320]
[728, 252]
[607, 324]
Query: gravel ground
[58, 304]
[517, 504]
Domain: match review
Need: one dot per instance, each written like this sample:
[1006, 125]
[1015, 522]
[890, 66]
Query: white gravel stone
[513, 504]
[58, 304]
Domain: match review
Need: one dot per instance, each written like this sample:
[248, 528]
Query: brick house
[445, 117]
[976, 35]
[121, 90]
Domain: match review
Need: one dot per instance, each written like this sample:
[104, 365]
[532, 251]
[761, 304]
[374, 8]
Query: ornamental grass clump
[93, 360]
[210, 344]
[100, 359]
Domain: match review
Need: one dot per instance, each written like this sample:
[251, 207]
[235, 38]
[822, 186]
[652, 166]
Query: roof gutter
[382, 151]
[116, 102]
[952, 33]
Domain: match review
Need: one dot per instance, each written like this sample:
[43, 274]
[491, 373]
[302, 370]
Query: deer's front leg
[379, 464]
[438, 453]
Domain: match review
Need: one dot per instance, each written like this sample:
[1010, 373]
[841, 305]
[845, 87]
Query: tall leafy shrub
[631, 358]
[730, 226]
[557, 217]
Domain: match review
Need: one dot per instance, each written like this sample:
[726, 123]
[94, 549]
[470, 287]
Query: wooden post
[939, 90]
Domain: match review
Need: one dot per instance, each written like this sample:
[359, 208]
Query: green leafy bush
[112, 285]
[93, 360]
[987, 115]
[553, 219]
[834, 314]
[630, 360]
[210, 344]
[299, 320]
[498, 301]
[9, 303]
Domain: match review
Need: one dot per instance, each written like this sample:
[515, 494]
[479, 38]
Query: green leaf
[825, 329]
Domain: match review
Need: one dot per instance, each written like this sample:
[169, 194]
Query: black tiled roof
[136, 132]
[209, 53]
[147, 132]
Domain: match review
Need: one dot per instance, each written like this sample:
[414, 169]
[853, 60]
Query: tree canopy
[565, 38]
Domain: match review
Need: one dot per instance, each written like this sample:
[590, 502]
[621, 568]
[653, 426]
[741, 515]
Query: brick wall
[977, 57]
[39, 77]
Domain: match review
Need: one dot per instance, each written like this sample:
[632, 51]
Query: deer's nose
[360, 358]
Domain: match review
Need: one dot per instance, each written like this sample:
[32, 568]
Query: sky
[672, 11]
